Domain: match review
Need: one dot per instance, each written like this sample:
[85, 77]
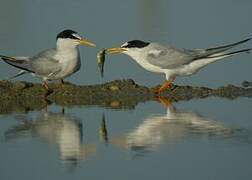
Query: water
[150, 141]
[199, 139]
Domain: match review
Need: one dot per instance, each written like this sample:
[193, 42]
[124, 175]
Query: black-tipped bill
[116, 50]
[86, 42]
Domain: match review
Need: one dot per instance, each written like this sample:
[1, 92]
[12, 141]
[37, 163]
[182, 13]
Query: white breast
[140, 59]
[70, 62]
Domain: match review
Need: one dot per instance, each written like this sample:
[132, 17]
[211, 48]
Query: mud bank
[119, 94]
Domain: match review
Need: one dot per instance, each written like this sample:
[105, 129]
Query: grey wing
[18, 62]
[44, 64]
[168, 57]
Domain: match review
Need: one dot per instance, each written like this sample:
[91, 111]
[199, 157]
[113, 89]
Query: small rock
[20, 85]
[130, 81]
[114, 88]
[115, 104]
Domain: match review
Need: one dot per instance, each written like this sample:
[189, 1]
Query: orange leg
[166, 85]
[45, 85]
[49, 91]
[166, 102]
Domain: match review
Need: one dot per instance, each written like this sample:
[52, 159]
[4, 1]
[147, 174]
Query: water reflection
[103, 130]
[62, 129]
[173, 127]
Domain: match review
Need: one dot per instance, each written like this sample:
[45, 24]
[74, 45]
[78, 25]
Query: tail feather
[225, 47]
[200, 63]
[219, 51]
[8, 58]
[20, 73]
[18, 62]
[230, 53]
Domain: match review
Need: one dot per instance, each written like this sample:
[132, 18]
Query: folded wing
[171, 57]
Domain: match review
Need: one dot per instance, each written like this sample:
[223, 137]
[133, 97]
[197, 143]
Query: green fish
[101, 60]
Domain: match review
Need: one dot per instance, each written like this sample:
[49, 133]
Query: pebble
[114, 88]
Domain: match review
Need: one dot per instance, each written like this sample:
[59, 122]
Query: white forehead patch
[125, 44]
[77, 36]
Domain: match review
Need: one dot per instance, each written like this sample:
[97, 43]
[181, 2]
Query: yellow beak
[86, 42]
[116, 50]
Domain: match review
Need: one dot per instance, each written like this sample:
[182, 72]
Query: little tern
[53, 64]
[173, 61]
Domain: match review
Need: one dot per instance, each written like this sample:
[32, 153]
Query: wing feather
[44, 63]
[168, 57]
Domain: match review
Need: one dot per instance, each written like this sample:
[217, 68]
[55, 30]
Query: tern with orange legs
[52, 64]
[173, 61]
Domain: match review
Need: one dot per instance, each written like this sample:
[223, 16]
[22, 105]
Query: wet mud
[20, 96]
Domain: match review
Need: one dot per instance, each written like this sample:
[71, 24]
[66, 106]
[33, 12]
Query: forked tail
[18, 62]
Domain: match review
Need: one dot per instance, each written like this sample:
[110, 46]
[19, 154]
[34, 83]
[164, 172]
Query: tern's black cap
[68, 33]
[135, 44]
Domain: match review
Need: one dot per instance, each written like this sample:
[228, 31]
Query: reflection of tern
[172, 127]
[53, 64]
[172, 61]
[103, 130]
[63, 130]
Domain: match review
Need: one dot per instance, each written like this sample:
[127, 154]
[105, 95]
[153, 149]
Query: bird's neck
[66, 46]
[136, 55]
[67, 52]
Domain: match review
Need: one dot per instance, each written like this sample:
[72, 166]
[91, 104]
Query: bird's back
[168, 56]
